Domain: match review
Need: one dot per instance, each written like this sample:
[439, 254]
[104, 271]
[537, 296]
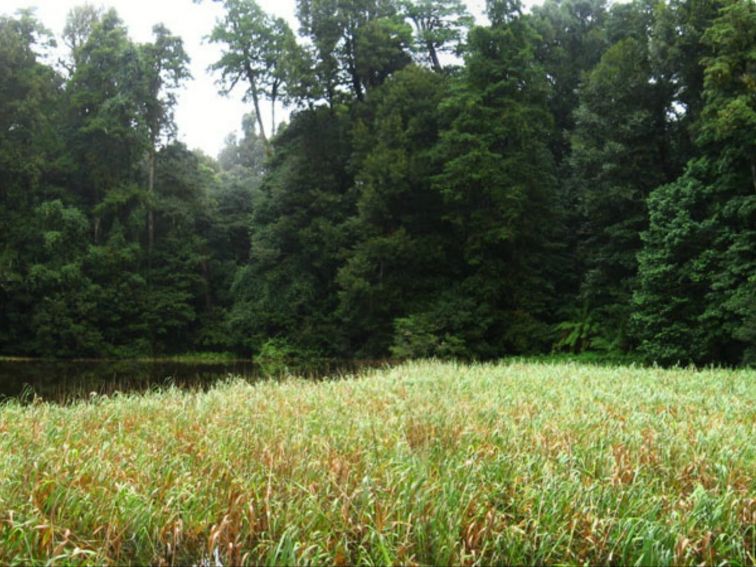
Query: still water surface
[62, 381]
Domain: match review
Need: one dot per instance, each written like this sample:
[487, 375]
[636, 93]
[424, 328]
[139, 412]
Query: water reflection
[62, 381]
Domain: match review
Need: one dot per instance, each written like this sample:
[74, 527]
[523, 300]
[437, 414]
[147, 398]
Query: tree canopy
[577, 177]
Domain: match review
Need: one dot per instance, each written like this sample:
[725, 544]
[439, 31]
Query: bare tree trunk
[423, 28]
[256, 101]
[433, 56]
[273, 97]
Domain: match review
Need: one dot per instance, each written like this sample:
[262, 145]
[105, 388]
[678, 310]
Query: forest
[576, 177]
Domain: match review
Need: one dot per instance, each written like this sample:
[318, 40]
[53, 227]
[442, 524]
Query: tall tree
[288, 287]
[29, 109]
[108, 135]
[237, 187]
[80, 22]
[179, 295]
[31, 168]
[498, 181]
[398, 257]
[573, 39]
[695, 299]
[358, 43]
[621, 128]
[257, 49]
[677, 47]
[164, 68]
[440, 27]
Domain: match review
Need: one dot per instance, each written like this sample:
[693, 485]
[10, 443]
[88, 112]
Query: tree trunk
[352, 68]
[256, 101]
[273, 97]
[433, 56]
[273, 116]
[423, 28]
[330, 94]
[356, 84]
[151, 204]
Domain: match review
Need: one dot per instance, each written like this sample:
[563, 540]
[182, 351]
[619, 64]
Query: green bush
[419, 336]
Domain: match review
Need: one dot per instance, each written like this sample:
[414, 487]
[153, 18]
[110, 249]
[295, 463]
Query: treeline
[578, 178]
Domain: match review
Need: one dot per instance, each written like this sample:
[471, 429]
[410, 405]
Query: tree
[241, 166]
[728, 121]
[63, 320]
[498, 183]
[164, 67]
[288, 287]
[80, 23]
[29, 109]
[440, 27]
[694, 300]
[586, 179]
[358, 43]
[106, 131]
[30, 164]
[247, 153]
[677, 47]
[257, 49]
[398, 257]
[573, 39]
[621, 129]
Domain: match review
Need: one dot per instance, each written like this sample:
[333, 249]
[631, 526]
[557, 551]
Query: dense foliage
[578, 178]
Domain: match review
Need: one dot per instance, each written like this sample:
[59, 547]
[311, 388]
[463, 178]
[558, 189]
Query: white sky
[204, 118]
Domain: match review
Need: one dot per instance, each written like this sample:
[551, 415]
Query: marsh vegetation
[426, 463]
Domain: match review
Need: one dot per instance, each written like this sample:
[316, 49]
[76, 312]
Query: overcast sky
[204, 117]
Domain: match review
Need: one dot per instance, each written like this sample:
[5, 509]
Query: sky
[204, 117]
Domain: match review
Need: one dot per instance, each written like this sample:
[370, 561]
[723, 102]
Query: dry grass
[427, 463]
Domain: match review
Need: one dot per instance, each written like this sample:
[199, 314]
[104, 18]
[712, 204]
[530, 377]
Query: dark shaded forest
[578, 178]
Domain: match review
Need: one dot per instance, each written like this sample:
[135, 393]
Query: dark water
[63, 381]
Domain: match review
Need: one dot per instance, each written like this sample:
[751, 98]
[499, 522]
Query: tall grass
[426, 463]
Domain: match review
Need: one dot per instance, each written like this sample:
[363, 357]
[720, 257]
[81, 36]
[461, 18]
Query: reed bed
[427, 463]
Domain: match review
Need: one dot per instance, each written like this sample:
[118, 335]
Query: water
[62, 381]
